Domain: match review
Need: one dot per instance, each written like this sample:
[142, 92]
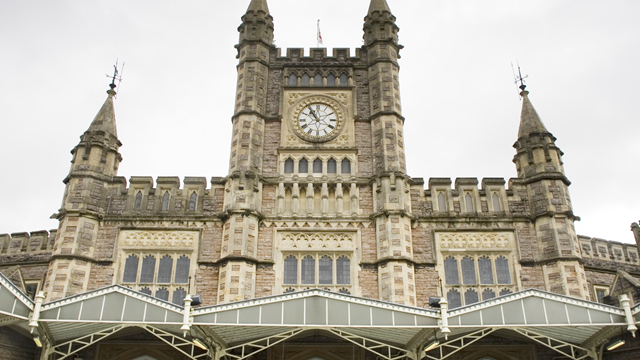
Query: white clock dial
[318, 120]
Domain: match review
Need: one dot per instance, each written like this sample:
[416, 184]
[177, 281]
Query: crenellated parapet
[606, 250]
[26, 247]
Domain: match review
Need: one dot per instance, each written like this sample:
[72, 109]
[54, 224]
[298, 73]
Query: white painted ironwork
[569, 350]
[249, 349]
[71, 347]
[455, 345]
[183, 345]
[626, 305]
[36, 311]
[392, 352]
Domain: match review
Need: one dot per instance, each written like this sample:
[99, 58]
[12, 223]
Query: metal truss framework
[66, 349]
[392, 352]
[459, 343]
[251, 348]
[569, 350]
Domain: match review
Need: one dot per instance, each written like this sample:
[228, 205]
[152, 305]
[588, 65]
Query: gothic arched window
[325, 272]
[291, 270]
[178, 296]
[331, 166]
[130, 269]
[163, 294]
[308, 271]
[442, 202]
[470, 297]
[343, 271]
[148, 269]
[496, 202]
[486, 271]
[146, 290]
[468, 267]
[505, 292]
[306, 80]
[138, 202]
[345, 166]
[293, 80]
[344, 80]
[164, 270]
[303, 166]
[453, 298]
[331, 80]
[165, 201]
[193, 200]
[451, 271]
[317, 166]
[317, 80]
[502, 271]
[488, 294]
[468, 201]
[288, 166]
[182, 270]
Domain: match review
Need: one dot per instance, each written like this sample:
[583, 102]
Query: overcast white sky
[462, 108]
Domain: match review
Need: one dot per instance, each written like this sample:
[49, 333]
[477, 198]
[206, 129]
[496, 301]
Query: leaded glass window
[182, 270]
[193, 201]
[331, 166]
[468, 201]
[165, 201]
[130, 269]
[486, 271]
[291, 270]
[325, 270]
[178, 296]
[451, 271]
[293, 80]
[344, 80]
[138, 202]
[146, 290]
[345, 166]
[488, 294]
[470, 297]
[162, 294]
[343, 271]
[308, 271]
[502, 271]
[442, 202]
[306, 80]
[303, 166]
[505, 292]
[468, 267]
[317, 166]
[317, 80]
[453, 299]
[288, 166]
[164, 270]
[496, 202]
[331, 80]
[148, 269]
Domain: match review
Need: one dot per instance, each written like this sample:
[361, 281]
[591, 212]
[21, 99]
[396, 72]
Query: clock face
[318, 120]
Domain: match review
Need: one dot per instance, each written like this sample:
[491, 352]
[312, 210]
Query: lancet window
[138, 201]
[322, 270]
[165, 201]
[193, 201]
[165, 278]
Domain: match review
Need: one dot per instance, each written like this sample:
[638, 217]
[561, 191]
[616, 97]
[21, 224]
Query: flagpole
[318, 35]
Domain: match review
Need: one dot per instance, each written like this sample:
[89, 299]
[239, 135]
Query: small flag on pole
[319, 40]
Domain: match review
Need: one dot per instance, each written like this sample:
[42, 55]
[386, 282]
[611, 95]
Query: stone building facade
[317, 196]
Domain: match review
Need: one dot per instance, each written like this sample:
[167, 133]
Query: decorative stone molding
[475, 240]
[158, 239]
[314, 240]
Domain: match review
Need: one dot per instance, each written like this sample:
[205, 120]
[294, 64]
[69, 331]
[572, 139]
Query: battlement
[607, 250]
[36, 242]
[318, 54]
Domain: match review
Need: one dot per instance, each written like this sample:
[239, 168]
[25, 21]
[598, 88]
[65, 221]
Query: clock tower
[318, 194]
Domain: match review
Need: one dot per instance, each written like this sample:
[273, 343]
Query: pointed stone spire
[105, 120]
[258, 5]
[257, 23]
[380, 24]
[529, 120]
[378, 5]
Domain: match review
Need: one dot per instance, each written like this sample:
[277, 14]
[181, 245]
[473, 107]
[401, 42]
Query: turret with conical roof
[539, 164]
[257, 23]
[380, 24]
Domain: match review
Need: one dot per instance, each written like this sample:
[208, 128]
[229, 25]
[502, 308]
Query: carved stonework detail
[304, 240]
[476, 241]
[158, 239]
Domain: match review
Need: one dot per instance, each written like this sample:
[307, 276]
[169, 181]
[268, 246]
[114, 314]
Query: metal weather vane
[117, 75]
[519, 78]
